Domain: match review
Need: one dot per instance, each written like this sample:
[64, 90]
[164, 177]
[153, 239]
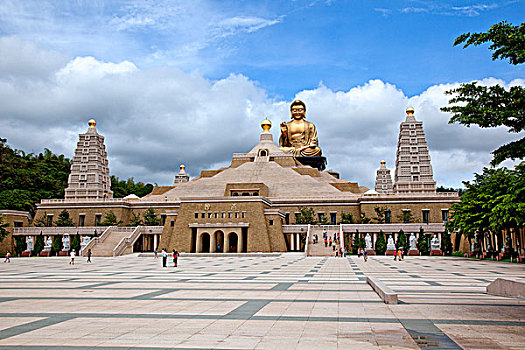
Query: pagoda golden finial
[266, 125]
[383, 163]
[410, 111]
[92, 123]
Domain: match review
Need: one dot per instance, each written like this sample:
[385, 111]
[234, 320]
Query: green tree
[135, 220]
[63, 219]
[359, 242]
[346, 218]
[406, 217]
[20, 244]
[123, 188]
[41, 220]
[75, 243]
[150, 218]
[492, 106]
[57, 244]
[422, 242]
[111, 220]
[446, 243]
[323, 220]
[402, 241]
[306, 216]
[381, 243]
[380, 214]
[363, 219]
[25, 179]
[39, 244]
[493, 201]
[3, 231]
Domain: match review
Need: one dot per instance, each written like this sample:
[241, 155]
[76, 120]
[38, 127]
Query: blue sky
[355, 62]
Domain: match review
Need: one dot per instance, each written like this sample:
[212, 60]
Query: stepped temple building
[253, 205]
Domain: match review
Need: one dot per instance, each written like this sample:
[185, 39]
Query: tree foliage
[493, 201]
[492, 106]
[3, 231]
[422, 242]
[150, 218]
[20, 244]
[63, 219]
[57, 244]
[380, 214]
[381, 243]
[346, 218]
[402, 241]
[39, 244]
[306, 216]
[135, 219]
[123, 188]
[25, 179]
[507, 41]
[446, 243]
[75, 243]
[111, 220]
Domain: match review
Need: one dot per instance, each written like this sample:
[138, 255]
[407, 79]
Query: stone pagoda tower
[384, 179]
[413, 169]
[89, 177]
[181, 176]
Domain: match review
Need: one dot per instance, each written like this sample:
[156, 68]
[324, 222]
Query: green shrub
[381, 243]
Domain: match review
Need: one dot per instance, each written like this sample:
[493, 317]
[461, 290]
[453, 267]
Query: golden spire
[266, 125]
[410, 111]
[92, 123]
[383, 163]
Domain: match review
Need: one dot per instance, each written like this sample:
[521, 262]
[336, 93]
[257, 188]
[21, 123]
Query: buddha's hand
[284, 128]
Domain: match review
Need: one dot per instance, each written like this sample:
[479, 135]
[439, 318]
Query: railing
[125, 241]
[53, 231]
[129, 241]
[307, 243]
[294, 228]
[97, 240]
[392, 228]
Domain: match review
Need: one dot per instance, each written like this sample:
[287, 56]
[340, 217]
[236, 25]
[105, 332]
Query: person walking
[7, 257]
[156, 254]
[395, 255]
[325, 242]
[72, 255]
[89, 256]
[364, 255]
[164, 257]
[175, 256]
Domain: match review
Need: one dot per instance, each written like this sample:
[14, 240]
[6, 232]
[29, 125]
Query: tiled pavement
[273, 302]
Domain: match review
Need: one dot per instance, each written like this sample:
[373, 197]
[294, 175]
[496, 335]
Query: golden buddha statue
[299, 136]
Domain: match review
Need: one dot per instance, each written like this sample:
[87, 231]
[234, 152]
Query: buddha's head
[298, 109]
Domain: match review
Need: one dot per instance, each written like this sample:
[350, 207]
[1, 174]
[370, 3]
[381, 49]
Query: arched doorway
[233, 242]
[219, 241]
[205, 243]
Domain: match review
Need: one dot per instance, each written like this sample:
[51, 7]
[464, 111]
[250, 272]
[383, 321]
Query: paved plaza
[247, 302]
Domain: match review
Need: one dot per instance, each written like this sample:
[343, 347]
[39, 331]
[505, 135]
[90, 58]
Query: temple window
[425, 215]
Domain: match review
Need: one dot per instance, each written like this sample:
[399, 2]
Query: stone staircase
[106, 243]
[319, 249]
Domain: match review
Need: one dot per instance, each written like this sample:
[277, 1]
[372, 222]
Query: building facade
[254, 204]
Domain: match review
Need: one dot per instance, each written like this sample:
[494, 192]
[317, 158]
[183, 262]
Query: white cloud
[232, 25]
[156, 119]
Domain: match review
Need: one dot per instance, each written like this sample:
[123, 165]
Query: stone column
[292, 241]
[298, 241]
[198, 247]
[239, 241]
[213, 242]
[155, 241]
[226, 248]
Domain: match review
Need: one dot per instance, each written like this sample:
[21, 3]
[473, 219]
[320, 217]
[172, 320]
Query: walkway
[286, 302]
